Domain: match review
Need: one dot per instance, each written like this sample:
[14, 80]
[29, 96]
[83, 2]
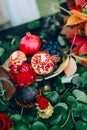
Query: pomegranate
[41, 63]
[30, 44]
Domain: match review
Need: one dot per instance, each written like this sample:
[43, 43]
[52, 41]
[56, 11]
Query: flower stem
[73, 41]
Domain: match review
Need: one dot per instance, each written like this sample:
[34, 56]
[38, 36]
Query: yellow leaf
[70, 68]
[62, 66]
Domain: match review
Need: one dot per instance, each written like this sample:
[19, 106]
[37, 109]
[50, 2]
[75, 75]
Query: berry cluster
[52, 47]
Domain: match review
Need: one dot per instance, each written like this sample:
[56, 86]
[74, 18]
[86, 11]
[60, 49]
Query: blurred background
[17, 12]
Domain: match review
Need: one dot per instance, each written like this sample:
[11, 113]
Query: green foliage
[38, 126]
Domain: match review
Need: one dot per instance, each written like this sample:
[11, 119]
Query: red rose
[42, 102]
[24, 78]
[5, 122]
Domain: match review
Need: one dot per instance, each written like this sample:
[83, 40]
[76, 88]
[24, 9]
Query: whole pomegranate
[30, 44]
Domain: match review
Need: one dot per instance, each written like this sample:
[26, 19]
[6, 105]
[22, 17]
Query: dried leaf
[62, 66]
[71, 67]
[7, 85]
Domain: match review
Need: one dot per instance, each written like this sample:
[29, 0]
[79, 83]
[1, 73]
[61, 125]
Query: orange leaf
[79, 14]
[74, 20]
[83, 49]
[77, 17]
[71, 67]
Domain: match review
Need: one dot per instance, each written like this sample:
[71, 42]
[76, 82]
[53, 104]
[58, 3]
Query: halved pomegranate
[41, 63]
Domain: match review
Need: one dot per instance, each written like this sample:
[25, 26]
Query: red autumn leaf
[79, 2]
[70, 3]
[76, 50]
[80, 45]
[79, 41]
[70, 32]
[83, 49]
[86, 29]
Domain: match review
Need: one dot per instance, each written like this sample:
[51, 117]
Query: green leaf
[57, 83]
[77, 80]
[80, 125]
[34, 25]
[1, 51]
[16, 118]
[60, 112]
[34, 85]
[71, 100]
[84, 77]
[53, 96]
[62, 104]
[69, 79]
[38, 126]
[80, 95]
[3, 105]
[68, 125]
[55, 119]
[56, 127]
[84, 115]
[79, 107]
[61, 41]
[21, 126]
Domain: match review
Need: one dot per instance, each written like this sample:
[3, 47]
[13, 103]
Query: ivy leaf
[70, 68]
[80, 95]
[38, 126]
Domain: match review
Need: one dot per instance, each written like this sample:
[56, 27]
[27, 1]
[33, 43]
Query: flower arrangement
[43, 81]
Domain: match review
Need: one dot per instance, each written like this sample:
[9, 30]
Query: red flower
[42, 103]
[5, 122]
[24, 78]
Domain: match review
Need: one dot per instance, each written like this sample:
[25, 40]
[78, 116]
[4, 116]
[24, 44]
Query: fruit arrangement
[43, 77]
